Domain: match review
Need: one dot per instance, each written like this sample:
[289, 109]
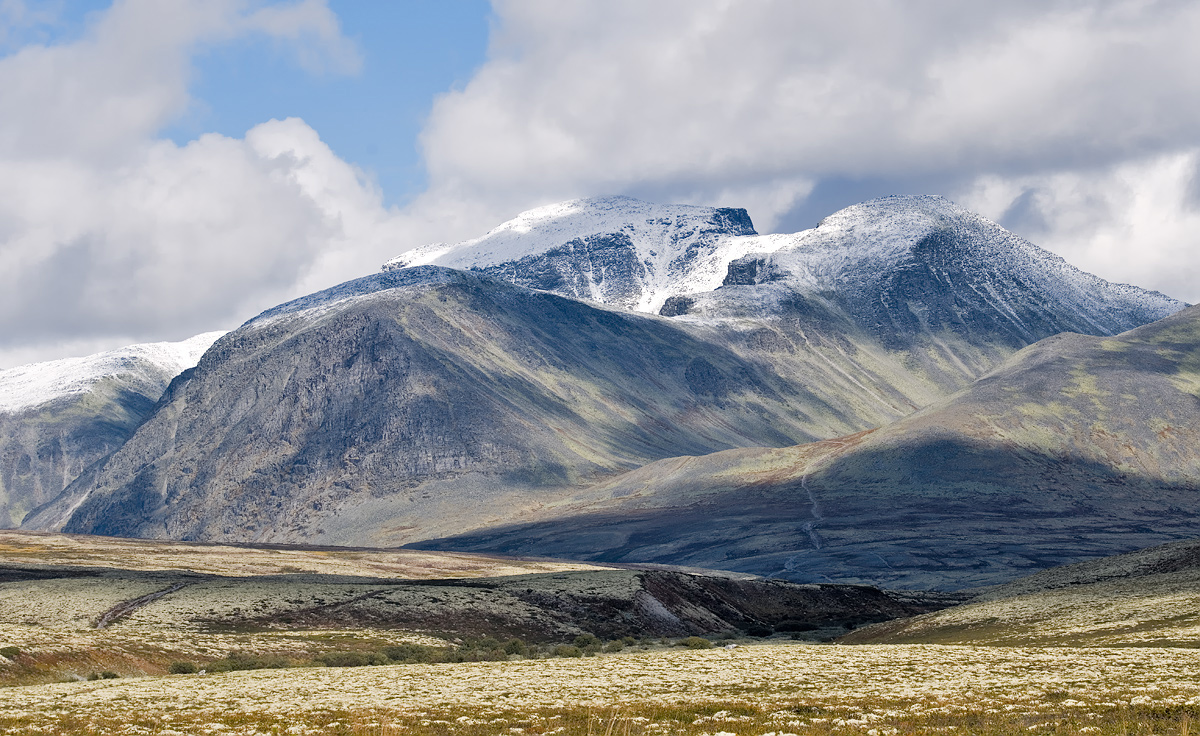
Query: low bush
[614, 646]
[409, 653]
[587, 641]
[696, 642]
[183, 668]
[516, 646]
[10, 652]
[243, 660]
[105, 675]
[758, 631]
[566, 650]
[351, 659]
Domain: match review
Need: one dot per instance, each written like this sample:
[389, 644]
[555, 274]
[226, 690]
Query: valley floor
[784, 688]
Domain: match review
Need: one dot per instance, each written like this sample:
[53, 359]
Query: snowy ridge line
[635, 255]
[28, 386]
[884, 231]
[616, 250]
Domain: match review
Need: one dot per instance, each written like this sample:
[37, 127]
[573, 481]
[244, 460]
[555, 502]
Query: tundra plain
[291, 641]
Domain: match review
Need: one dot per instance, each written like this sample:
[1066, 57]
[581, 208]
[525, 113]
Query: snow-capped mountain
[28, 386]
[615, 250]
[895, 265]
[904, 264]
[60, 416]
[432, 399]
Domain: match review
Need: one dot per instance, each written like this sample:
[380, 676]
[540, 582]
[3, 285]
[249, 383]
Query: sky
[171, 167]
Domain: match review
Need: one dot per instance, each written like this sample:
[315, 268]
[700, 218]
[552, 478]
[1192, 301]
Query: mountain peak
[906, 264]
[617, 250]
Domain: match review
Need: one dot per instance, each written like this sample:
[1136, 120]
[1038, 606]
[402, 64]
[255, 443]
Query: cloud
[1073, 123]
[1134, 222]
[759, 104]
[107, 231]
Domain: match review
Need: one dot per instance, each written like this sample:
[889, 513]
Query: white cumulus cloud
[768, 104]
[1075, 124]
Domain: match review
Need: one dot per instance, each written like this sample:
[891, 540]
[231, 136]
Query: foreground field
[756, 689]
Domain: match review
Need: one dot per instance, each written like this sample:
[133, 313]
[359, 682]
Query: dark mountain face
[428, 399]
[1076, 447]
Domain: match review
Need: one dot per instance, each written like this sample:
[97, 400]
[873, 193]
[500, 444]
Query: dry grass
[32, 548]
[750, 690]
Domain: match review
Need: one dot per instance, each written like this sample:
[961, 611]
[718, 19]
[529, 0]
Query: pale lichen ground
[757, 689]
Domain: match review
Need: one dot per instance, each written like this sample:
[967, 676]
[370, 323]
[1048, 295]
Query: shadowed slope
[1076, 447]
[59, 417]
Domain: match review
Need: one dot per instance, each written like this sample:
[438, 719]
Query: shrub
[614, 646]
[10, 652]
[566, 650]
[696, 642]
[351, 659]
[758, 631]
[587, 641]
[516, 646]
[243, 660]
[183, 668]
[106, 675]
[410, 653]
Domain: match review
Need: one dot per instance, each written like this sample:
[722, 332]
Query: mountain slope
[905, 266]
[425, 399]
[1142, 598]
[58, 417]
[1076, 447]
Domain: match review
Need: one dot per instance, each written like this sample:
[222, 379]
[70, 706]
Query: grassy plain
[47, 548]
[779, 688]
[54, 655]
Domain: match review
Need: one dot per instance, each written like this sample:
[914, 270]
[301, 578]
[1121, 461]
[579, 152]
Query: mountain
[426, 402]
[1142, 598]
[416, 401]
[908, 266]
[1075, 447]
[900, 300]
[58, 417]
[614, 250]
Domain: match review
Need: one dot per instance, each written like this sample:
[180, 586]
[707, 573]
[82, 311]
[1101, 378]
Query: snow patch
[28, 386]
[679, 249]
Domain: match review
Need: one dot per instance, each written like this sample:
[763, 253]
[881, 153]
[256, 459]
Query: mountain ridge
[58, 417]
[427, 402]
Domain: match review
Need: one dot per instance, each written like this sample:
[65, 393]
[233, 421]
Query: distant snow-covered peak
[902, 264]
[616, 250]
[28, 386]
